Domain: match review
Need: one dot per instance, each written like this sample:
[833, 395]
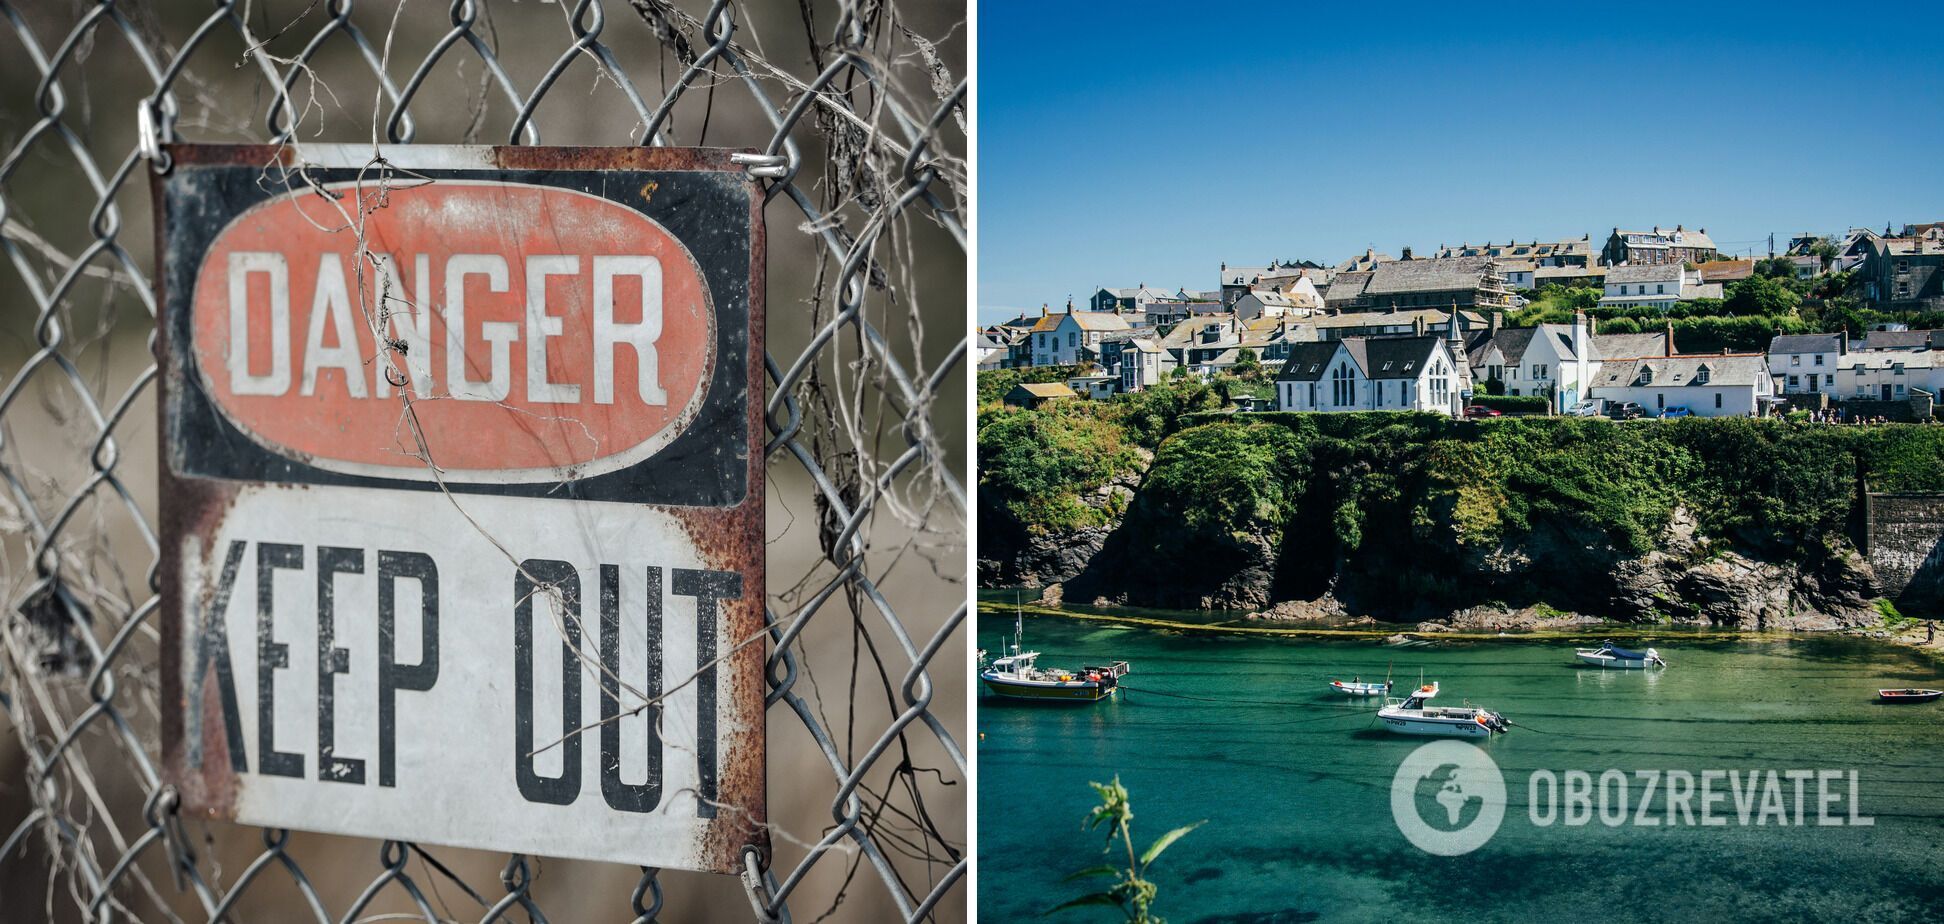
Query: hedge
[1514, 404]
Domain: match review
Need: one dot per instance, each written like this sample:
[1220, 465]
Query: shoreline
[1910, 637]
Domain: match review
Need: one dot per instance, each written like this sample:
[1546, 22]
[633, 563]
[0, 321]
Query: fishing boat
[1412, 716]
[1018, 676]
[1908, 696]
[1611, 655]
[1360, 688]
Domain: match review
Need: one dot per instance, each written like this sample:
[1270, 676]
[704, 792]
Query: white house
[1374, 374]
[1888, 376]
[1654, 285]
[1720, 385]
[1804, 364]
[1557, 360]
[1060, 339]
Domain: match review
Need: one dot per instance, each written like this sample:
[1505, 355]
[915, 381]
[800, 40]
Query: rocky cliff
[1458, 525]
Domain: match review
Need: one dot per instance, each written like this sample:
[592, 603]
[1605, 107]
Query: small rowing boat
[1359, 688]
[1908, 696]
[1611, 655]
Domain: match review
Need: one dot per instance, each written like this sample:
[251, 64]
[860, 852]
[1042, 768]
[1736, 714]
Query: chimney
[1579, 334]
[1842, 342]
[1407, 253]
[1042, 309]
[1491, 326]
[1417, 325]
[1679, 228]
[1669, 331]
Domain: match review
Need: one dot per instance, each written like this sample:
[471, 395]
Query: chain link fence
[856, 111]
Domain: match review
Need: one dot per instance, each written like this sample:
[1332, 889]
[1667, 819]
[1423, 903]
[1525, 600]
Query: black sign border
[711, 211]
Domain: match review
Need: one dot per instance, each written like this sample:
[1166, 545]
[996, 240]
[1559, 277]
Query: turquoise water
[1297, 797]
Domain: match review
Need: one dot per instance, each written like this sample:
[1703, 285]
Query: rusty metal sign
[461, 496]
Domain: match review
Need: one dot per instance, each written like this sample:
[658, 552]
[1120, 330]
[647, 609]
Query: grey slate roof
[1511, 341]
[1306, 361]
[1898, 340]
[1400, 276]
[1646, 272]
[1347, 286]
[1392, 357]
[1678, 371]
[1806, 343]
[1629, 346]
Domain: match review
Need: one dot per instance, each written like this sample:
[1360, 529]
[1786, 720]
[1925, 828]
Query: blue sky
[1140, 142]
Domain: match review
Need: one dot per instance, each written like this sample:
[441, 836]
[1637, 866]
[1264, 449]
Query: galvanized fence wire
[884, 158]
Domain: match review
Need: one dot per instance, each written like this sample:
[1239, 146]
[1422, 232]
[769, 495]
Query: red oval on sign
[543, 334]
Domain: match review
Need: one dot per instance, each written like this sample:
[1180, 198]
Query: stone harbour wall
[1903, 538]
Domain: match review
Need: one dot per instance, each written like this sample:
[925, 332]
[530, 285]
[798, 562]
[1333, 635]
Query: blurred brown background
[851, 659]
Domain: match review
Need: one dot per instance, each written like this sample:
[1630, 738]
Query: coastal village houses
[1654, 285]
[1553, 360]
[1804, 364]
[1072, 337]
[1633, 248]
[1414, 373]
[1471, 283]
[1709, 385]
[1905, 273]
[1411, 333]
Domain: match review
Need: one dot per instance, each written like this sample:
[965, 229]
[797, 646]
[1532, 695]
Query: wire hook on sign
[148, 136]
[763, 165]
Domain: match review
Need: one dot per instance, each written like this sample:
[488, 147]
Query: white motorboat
[1017, 675]
[1412, 716]
[1360, 688]
[1613, 656]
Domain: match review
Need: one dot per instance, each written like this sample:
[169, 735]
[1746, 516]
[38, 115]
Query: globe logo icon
[1448, 798]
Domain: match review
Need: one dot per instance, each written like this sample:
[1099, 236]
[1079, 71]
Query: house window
[1342, 388]
[1701, 376]
[1073, 339]
[1717, 401]
[1538, 370]
[1312, 396]
[1829, 380]
[1819, 359]
[1793, 381]
[1660, 401]
[1659, 289]
[1795, 360]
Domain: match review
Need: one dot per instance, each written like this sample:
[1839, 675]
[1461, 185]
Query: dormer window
[1701, 376]
[1646, 376]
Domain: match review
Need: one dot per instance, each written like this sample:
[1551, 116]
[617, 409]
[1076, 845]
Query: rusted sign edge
[460, 157]
[730, 539]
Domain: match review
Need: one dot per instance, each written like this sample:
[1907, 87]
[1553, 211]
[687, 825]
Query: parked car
[1676, 410]
[1479, 410]
[1625, 410]
[1585, 409]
